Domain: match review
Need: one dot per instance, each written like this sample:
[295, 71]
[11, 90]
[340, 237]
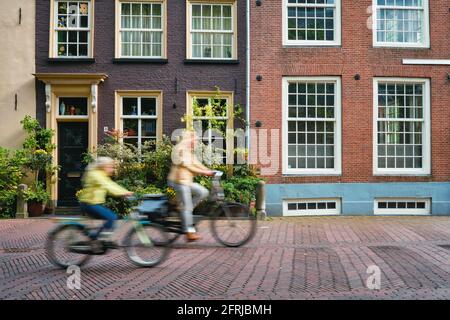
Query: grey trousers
[189, 197]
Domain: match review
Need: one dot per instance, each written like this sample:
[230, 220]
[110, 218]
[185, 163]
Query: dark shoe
[110, 244]
[192, 236]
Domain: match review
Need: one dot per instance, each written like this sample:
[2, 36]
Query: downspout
[247, 86]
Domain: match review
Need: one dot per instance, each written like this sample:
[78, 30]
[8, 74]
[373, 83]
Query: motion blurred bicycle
[73, 241]
[232, 223]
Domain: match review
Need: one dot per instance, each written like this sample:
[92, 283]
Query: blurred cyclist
[96, 185]
[185, 166]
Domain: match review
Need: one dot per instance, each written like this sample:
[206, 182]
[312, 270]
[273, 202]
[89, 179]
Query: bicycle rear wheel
[233, 224]
[61, 243]
[146, 245]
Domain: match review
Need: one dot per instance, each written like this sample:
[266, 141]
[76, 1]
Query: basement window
[409, 206]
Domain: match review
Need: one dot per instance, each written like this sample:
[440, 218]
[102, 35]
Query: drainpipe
[247, 86]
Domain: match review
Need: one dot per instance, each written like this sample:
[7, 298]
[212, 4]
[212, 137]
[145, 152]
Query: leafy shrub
[10, 177]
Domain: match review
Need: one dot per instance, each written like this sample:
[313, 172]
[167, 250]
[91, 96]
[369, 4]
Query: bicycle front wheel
[146, 245]
[233, 225]
[66, 244]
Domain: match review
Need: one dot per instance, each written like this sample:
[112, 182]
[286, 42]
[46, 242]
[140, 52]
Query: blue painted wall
[358, 198]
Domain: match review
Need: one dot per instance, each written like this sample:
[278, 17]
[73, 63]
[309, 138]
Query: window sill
[311, 45]
[210, 61]
[71, 60]
[409, 174]
[306, 174]
[138, 60]
[400, 47]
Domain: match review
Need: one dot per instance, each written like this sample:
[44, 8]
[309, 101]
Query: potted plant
[37, 150]
[37, 198]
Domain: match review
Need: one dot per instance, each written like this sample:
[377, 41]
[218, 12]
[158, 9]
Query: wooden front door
[73, 140]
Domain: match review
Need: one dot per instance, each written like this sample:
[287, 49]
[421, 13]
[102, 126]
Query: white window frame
[312, 212]
[426, 129]
[119, 28]
[55, 29]
[426, 27]
[426, 211]
[337, 134]
[140, 117]
[233, 32]
[337, 28]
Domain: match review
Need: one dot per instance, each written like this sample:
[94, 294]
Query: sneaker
[192, 236]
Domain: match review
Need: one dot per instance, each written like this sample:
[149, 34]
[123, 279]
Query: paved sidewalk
[290, 258]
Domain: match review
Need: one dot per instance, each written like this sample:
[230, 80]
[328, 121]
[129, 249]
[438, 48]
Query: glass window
[212, 31]
[210, 120]
[72, 106]
[312, 131]
[72, 28]
[139, 120]
[141, 29]
[401, 22]
[401, 126]
[316, 21]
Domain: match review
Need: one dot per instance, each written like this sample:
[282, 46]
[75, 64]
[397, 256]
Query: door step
[64, 211]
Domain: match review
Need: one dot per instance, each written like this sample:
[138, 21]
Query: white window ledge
[443, 62]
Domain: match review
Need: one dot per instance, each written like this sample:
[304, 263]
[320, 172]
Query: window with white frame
[402, 126]
[139, 119]
[316, 22]
[212, 34]
[312, 129]
[211, 116]
[301, 207]
[72, 29]
[141, 29]
[416, 206]
[401, 23]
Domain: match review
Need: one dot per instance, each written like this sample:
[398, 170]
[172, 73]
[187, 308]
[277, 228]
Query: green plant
[37, 152]
[11, 174]
[37, 193]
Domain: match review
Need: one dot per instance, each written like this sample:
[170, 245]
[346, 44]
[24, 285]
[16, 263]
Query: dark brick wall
[143, 76]
[356, 55]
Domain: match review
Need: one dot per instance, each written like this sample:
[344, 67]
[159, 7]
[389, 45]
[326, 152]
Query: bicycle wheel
[233, 225]
[146, 245]
[61, 242]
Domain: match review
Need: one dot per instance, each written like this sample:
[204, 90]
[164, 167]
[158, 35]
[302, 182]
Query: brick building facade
[359, 91]
[136, 66]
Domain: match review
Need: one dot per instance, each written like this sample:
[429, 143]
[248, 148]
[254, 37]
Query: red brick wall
[356, 56]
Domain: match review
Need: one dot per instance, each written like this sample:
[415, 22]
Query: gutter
[247, 86]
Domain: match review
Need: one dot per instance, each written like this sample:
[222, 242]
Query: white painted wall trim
[443, 62]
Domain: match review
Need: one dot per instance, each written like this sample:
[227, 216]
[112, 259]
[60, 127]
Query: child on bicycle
[96, 185]
[185, 166]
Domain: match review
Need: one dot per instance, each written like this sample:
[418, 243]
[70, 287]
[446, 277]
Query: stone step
[67, 211]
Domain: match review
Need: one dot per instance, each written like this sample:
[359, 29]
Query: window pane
[73, 106]
[148, 106]
[130, 106]
[130, 127]
[148, 127]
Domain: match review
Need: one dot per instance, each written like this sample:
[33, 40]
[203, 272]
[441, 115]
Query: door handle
[73, 174]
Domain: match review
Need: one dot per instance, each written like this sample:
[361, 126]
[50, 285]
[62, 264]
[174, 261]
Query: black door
[72, 145]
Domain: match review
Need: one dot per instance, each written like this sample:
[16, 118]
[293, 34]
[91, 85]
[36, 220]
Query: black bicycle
[232, 224]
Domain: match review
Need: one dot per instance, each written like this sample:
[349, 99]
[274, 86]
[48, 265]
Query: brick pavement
[290, 258]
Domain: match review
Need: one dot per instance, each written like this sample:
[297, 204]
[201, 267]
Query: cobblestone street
[289, 258]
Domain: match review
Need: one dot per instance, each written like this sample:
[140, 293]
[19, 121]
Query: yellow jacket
[185, 165]
[97, 185]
